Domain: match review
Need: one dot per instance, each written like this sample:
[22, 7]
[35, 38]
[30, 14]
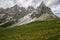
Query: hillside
[37, 30]
[21, 15]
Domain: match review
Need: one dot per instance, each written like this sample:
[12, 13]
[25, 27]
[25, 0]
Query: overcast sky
[53, 4]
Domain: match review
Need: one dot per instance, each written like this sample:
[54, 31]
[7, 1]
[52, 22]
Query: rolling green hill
[37, 30]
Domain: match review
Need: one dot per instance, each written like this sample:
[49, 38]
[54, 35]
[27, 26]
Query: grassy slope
[38, 30]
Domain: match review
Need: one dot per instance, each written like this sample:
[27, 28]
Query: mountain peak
[44, 12]
[42, 4]
[30, 9]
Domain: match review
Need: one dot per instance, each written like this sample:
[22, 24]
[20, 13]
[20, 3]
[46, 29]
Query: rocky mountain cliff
[43, 12]
[30, 9]
[12, 14]
[19, 15]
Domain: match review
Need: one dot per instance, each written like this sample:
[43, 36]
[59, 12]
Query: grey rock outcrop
[43, 12]
[20, 15]
[11, 14]
[30, 9]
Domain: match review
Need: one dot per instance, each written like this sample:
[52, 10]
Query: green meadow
[38, 30]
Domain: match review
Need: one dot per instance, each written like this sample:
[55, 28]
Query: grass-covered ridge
[38, 30]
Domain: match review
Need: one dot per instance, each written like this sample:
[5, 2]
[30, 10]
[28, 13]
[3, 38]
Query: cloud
[6, 3]
[25, 3]
[53, 4]
[36, 3]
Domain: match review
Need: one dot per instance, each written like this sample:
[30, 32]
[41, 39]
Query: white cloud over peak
[53, 4]
[6, 3]
[24, 3]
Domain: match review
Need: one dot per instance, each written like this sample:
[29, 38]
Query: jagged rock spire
[30, 9]
[42, 2]
[44, 12]
[42, 5]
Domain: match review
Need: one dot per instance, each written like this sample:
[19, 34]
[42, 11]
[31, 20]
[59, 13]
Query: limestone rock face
[43, 12]
[11, 14]
[20, 15]
[30, 9]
